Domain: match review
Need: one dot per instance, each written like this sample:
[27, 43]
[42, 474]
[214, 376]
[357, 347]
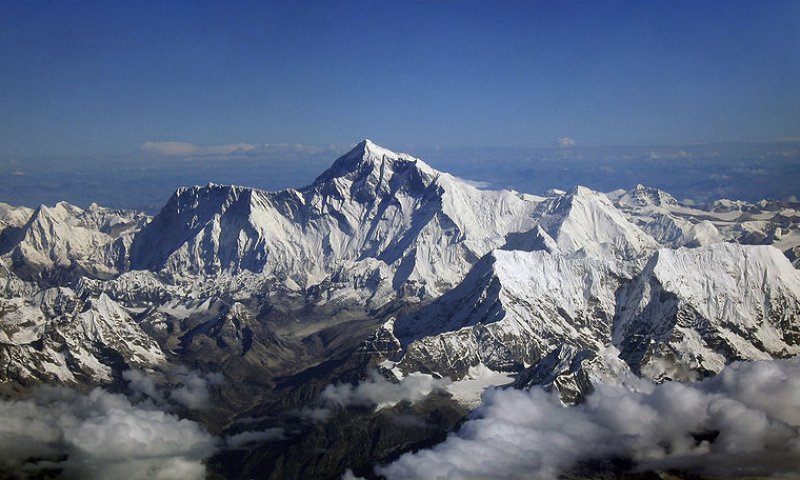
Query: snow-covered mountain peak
[642, 196]
[61, 211]
[696, 309]
[740, 265]
[369, 159]
[584, 221]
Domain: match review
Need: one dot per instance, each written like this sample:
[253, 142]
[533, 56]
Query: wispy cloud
[184, 149]
[175, 149]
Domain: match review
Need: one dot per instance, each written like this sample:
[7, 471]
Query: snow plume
[744, 422]
[98, 435]
[189, 388]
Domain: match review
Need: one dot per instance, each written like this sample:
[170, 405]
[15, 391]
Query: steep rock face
[688, 313]
[427, 226]
[56, 336]
[691, 311]
[512, 309]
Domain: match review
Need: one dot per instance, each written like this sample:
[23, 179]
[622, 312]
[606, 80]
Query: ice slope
[688, 313]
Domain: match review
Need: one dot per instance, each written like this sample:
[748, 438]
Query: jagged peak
[211, 190]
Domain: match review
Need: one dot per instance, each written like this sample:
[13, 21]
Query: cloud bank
[96, 436]
[743, 422]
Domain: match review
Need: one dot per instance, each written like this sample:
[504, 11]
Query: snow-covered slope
[56, 336]
[11, 216]
[512, 309]
[427, 227]
[584, 222]
[67, 239]
[673, 224]
[692, 311]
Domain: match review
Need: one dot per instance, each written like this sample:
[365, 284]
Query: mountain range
[385, 266]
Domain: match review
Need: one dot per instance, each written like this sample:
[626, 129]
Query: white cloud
[99, 435]
[565, 142]
[744, 421]
[669, 155]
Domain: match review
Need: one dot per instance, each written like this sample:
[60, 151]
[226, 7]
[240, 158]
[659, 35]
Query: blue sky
[104, 78]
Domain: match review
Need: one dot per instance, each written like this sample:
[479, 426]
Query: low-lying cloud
[98, 435]
[182, 386]
[377, 390]
[744, 422]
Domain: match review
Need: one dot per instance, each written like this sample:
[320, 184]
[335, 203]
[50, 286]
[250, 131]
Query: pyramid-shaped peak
[368, 156]
[367, 149]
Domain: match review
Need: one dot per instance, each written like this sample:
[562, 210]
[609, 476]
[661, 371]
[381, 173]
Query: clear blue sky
[90, 78]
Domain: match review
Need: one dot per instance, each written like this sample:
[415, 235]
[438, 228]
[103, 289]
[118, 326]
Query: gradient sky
[103, 78]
